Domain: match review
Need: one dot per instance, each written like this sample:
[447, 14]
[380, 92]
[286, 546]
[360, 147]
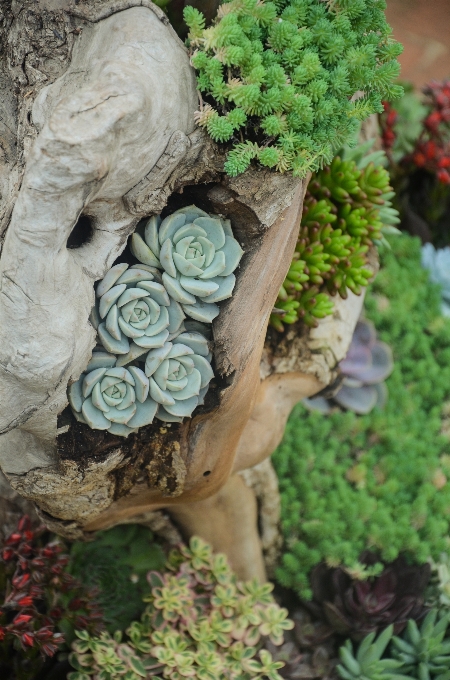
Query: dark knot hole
[81, 233]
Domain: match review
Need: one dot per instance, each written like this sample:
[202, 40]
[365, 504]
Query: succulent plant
[437, 261]
[139, 316]
[133, 305]
[179, 374]
[200, 622]
[198, 254]
[365, 368]
[358, 607]
[40, 603]
[346, 209]
[112, 398]
[438, 591]
[279, 77]
[117, 395]
[349, 483]
[368, 664]
[424, 653]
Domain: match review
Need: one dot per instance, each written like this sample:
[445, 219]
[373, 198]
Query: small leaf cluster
[40, 602]
[346, 209]
[419, 654]
[423, 652]
[438, 591]
[279, 78]
[380, 481]
[200, 622]
[116, 564]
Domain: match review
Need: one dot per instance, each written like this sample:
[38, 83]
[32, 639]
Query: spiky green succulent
[424, 652]
[368, 663]
[346, 209]
[279, 77]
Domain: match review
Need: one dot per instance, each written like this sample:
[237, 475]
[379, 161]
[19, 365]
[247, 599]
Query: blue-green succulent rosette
[198, 255]
[133, 311]
[168, 382]
[179, 374]
[112, 398]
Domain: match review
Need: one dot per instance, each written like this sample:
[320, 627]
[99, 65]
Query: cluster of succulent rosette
[347, 208]
[153, 355]
[200, 622]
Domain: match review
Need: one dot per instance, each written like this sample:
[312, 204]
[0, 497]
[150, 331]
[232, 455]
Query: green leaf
[137, 666]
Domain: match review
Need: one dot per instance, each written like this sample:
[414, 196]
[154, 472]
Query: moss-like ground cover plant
[278, 78]
[376, 482]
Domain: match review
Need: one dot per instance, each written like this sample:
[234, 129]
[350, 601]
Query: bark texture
[97, 106]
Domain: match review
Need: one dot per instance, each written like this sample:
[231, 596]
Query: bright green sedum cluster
[380, 481]
[279, 78]
[347, 208]
[200, 623]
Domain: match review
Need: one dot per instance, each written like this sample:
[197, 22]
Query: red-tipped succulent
[356, 608]
[38, 594]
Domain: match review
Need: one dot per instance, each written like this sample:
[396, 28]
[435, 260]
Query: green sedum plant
[380, 481]
[279, 78]
[200, 622]
[347, 208]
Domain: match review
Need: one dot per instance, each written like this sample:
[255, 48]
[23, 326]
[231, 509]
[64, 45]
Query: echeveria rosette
[133, 307]
[179, 374]
[112, 398]
[437, 261]
[198, 254]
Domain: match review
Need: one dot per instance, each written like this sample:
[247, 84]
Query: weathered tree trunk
[97, 132]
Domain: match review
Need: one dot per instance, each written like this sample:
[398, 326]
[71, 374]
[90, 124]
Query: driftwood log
[97, 132]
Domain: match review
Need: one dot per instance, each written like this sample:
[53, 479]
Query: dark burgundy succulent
[37, 597]
[357, 608]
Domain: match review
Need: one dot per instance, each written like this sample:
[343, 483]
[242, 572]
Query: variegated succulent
[198, 254]
[200, 623]
[134, 305]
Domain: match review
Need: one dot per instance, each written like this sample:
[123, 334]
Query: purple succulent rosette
[358, 607]
[365, 368]
[198, 255]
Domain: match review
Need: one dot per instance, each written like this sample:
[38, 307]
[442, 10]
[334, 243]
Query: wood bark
[97, 133]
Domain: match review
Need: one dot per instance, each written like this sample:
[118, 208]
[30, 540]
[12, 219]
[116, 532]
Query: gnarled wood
[98, 122]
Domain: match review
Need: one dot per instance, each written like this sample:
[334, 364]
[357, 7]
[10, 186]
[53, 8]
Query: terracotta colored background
[423, 26]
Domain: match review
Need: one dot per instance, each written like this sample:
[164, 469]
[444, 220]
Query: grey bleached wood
[97, 120]
[102, 127]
